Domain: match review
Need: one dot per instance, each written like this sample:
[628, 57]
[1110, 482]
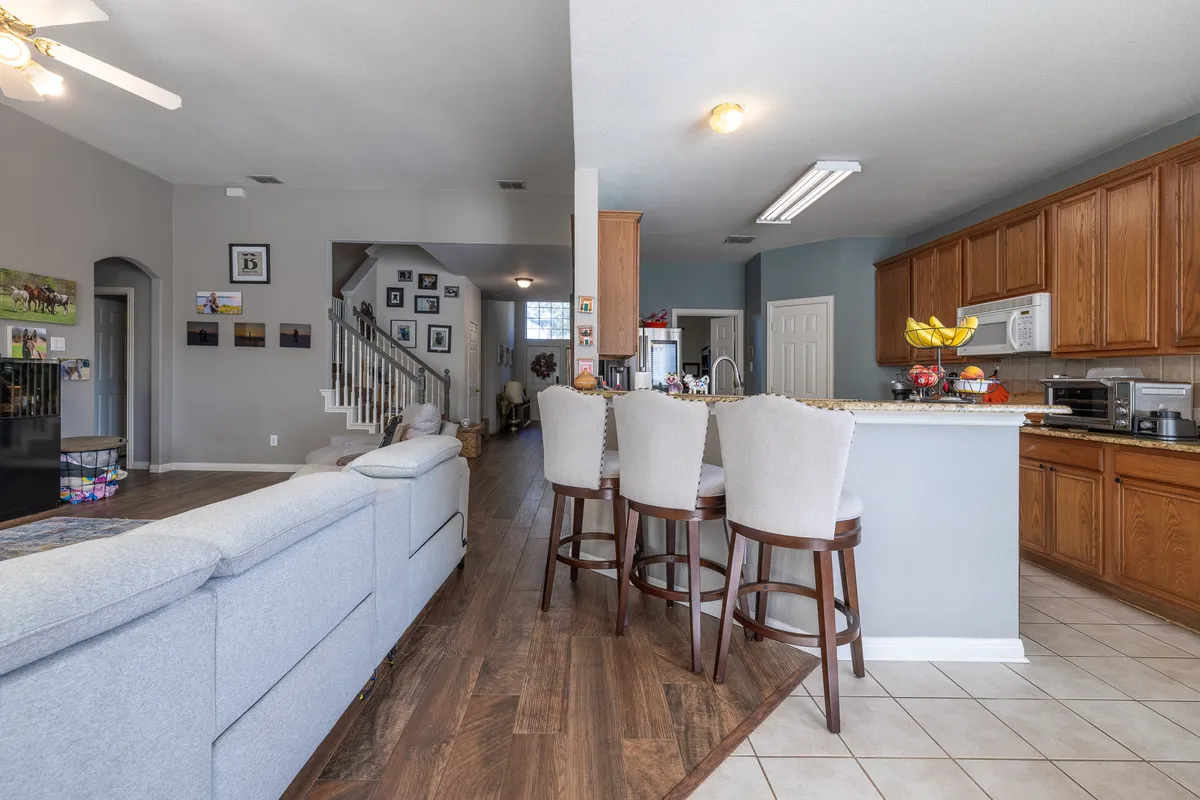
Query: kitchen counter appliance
[1018, 325]
[1167, 425]
[1113, 398]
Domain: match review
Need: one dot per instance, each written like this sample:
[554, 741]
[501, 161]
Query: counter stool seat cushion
[850, 506]
[712, 481]
[611, 468]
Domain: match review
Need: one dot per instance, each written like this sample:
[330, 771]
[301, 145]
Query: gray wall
[756, 331]
[230, 399]
[1147, 145]
[122, 273]
[690, 285]
[67, 206]
[498, 330]
[843, 268]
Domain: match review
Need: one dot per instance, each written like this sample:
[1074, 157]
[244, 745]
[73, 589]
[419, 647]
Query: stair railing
[432, 384]
[367, 378]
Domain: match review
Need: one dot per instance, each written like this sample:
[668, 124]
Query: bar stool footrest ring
[845, 636]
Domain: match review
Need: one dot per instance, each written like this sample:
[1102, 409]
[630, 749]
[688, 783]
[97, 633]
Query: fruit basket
[934, 335]
[980, 387]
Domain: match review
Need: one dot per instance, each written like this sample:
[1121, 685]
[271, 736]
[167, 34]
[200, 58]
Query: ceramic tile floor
[1108, 707]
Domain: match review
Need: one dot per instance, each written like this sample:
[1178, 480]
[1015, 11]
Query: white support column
[587, 260]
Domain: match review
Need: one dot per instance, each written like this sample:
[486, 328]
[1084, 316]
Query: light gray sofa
[324, 459]
[208, 654]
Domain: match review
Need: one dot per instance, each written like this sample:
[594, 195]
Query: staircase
[373, 376]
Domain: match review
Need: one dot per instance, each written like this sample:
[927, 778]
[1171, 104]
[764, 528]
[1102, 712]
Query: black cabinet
[30, 436]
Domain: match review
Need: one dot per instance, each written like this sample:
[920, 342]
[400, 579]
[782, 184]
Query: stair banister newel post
[446, 397]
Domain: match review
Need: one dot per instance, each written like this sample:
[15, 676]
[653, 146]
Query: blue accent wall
[843, 268]
[1148, 145]
[690, 285]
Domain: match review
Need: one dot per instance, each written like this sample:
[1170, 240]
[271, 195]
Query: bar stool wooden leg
[632, 524]
[693, 556]
[576, 528]
[850, 596]
[764, 575]
[827, 629]
[670, 551]
[737, 552]
[556, 516]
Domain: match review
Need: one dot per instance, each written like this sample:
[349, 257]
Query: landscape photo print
[31, 297]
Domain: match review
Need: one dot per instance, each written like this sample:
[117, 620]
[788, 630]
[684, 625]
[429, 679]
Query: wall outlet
[58, 343]
[274, 440]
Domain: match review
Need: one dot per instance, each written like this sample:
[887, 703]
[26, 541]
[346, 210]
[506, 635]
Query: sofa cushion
[55, 598]
[423, 419]
[330, 455]
[406, 459]
[256, 526]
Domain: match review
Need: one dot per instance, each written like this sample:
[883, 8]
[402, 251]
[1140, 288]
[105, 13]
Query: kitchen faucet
[737, 375]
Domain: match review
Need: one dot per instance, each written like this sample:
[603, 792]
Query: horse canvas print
[31, 297]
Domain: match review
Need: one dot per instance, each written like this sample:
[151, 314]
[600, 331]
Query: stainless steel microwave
[1110, 399]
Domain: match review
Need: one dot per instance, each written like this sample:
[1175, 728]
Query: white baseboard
[204, 466]
[897, 648]
[139, 465]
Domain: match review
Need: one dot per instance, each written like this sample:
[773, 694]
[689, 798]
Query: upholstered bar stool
[662, 458]
[577, 465]
[784, 466]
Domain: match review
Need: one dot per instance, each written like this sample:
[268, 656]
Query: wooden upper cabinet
[1184, 218]
[937, 289]
[982, 278]
[892, 287]
[1023, 248]
[1129, 262]
[618, 279]
[1075, 273]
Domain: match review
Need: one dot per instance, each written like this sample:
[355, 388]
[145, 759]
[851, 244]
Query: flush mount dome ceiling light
[524, 283]
[823, 176]
[726, 118]
[22, 78]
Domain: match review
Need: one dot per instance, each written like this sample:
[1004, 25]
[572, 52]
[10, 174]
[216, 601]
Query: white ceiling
[948, 104]
[452, 94]
[494, 268]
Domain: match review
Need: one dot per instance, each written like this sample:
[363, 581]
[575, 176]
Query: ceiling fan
[22, 78]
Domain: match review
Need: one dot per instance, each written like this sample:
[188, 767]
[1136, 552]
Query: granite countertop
[879, 405]
[1113, 438]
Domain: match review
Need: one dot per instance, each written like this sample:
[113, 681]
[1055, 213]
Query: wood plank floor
[490, 698]
[146, 496]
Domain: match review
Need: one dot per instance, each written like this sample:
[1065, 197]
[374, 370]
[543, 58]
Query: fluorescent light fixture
[524, 283]
[823, 176]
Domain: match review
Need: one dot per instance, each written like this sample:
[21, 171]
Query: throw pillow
[393, 431]
[407, 459]
[423, 420]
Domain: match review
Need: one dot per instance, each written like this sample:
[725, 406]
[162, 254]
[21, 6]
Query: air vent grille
[511, 186]
[739, 239]
[271, 179]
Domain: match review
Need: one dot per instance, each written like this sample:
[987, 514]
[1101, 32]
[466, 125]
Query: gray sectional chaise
[208, 654]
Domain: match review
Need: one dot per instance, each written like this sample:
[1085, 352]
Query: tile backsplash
[1022, 374]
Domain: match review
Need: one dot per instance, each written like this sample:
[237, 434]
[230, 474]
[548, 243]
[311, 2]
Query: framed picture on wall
[249, 334]
[404, 331]
[295, 335]
[395, 297]
[204, 334]
[249, 263]
[499, 354]
[427, 304]
[427, 281]
[451, 291]
[404, 276]
[439, 338]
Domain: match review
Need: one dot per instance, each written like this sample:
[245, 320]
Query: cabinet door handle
[1052, 469]
[1041, 466]
[1117, 480]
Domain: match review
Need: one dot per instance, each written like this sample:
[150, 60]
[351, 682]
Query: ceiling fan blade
[47, 13]
[107, 72]
[14, 85]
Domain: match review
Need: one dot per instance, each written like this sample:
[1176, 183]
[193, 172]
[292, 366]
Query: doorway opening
[708, 335]
[800, 347]
[114, 362]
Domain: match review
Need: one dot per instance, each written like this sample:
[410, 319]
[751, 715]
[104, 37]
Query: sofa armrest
[449, 428]
[408, 459]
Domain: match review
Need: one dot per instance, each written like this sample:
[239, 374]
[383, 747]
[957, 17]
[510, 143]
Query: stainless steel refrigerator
[660, 352]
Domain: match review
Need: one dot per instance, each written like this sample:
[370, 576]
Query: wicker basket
[471, 440]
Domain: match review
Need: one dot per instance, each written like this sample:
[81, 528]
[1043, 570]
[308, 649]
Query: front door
[109, 370]
[723, 342]
[800, 347]
[537, 383]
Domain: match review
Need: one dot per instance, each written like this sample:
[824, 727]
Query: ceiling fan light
[524, 283]
[726, 118]
[13, 52]
[42, 79]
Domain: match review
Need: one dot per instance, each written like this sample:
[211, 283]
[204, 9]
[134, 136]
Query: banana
[971, 322]
[941, 334]
[960, 336]
[925, 335]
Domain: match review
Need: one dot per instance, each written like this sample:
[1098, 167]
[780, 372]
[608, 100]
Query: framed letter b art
[249, 263]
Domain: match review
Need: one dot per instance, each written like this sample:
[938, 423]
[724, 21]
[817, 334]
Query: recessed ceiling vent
[739, 239]
[511, 186]
[271, 179]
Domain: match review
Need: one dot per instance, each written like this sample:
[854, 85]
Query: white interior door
[722, 339]
[473, 370]
[800, 347]
[108, 371]
[536, 384]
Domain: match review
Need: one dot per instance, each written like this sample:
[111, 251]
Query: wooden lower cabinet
[1130, 528]
[1075, 529]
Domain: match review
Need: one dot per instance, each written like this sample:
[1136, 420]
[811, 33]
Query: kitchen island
[938, 563]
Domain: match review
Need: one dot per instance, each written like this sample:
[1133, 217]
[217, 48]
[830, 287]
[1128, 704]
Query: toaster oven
[1110, 399]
